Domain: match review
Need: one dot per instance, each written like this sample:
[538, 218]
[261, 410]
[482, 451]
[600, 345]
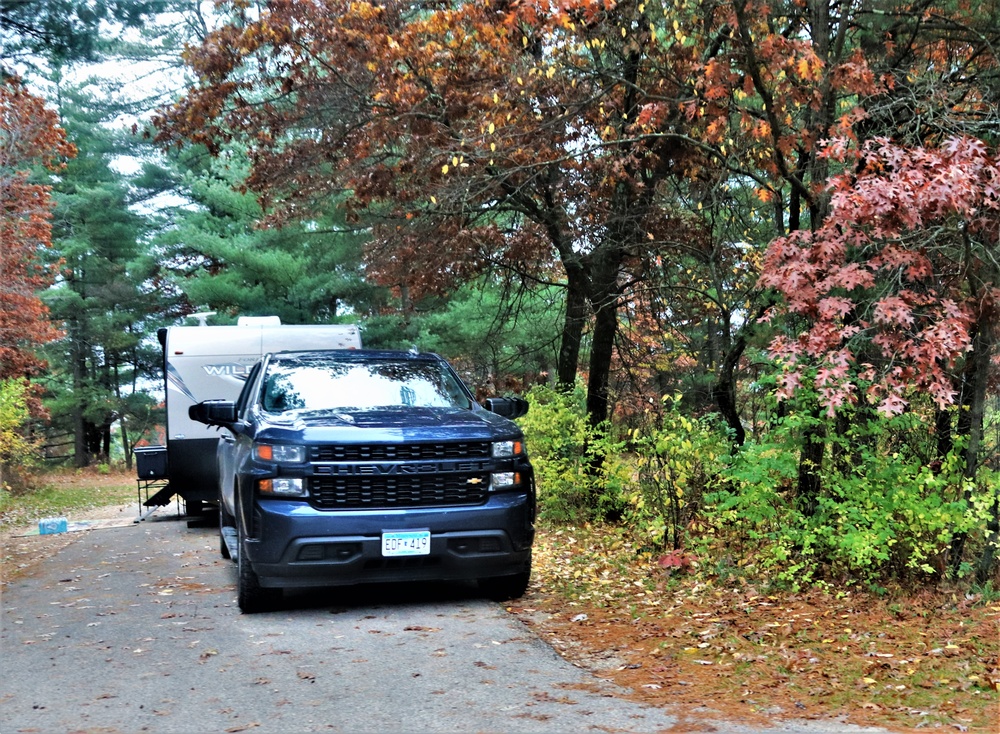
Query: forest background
[741, 256]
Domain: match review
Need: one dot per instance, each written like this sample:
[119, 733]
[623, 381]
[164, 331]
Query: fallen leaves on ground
[731, 650]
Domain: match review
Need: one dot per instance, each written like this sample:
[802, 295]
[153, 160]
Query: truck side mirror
[507, 407]
[213, 412]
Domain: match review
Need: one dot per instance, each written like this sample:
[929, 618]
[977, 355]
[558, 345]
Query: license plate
[412, 543]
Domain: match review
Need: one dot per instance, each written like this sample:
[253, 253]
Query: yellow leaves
[445, 169]
[809, 67]
[492, 128]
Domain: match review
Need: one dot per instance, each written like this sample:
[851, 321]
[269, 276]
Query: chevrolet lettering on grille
[353, 470]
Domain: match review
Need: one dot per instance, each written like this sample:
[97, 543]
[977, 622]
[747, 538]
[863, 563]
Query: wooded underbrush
[890, 511]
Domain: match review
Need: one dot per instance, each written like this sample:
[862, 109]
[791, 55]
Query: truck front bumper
[292, 545]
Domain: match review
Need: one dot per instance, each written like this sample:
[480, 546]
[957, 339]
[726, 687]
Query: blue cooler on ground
[52, 525]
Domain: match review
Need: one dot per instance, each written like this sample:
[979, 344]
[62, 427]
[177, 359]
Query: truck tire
[505, 588]
[250, 595]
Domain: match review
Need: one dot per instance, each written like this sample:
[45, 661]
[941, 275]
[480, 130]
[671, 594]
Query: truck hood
[392, 424]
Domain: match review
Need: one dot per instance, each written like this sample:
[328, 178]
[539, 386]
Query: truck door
[229, 447]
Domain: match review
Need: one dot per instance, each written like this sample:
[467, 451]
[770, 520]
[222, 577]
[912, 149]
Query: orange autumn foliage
[29, 137]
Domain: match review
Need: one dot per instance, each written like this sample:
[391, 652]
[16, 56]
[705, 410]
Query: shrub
[884, 515]
[676, 460]
[17, 451]
[651, 476]
[558, 437]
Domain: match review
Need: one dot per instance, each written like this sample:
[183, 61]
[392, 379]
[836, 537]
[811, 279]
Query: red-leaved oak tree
[898, 291]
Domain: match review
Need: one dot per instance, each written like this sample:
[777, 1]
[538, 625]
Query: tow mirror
[213, 412]
[507, 407]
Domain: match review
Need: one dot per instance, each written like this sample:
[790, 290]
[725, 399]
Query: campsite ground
[692, 642]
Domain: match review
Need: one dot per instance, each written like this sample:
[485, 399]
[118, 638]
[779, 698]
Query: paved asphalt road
[136, 629]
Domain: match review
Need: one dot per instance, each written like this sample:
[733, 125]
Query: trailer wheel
[250, 595]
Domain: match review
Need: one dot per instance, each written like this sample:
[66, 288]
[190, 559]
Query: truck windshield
[355, 385]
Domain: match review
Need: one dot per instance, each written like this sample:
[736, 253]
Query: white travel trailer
[212, 362]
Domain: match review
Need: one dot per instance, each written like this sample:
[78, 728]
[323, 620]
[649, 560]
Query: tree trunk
[970, 425]
[942, 434]
[724, 390]
[572, 333]
[601, 355]
[987, 561]
[81, 457]
[811, 462]
[122, 418]
[604, 296]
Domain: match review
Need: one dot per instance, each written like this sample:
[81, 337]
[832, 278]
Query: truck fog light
[283, 486]
[505, 479]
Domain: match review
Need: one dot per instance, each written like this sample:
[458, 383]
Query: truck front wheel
[504, 588]
[250, 595]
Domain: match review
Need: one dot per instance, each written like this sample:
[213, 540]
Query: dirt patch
[733, 655]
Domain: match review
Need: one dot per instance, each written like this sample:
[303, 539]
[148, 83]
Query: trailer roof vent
[259, 321]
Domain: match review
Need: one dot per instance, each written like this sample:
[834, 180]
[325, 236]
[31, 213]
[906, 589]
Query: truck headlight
[283, 486]
[504, 479]
[507, 449]
[280, 452]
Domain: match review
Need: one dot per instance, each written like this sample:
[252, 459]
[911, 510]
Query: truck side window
[248, 389]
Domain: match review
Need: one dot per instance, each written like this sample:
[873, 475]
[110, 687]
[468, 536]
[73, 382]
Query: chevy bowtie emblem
[474, 480]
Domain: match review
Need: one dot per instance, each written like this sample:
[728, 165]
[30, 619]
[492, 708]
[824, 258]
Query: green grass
[64, 493]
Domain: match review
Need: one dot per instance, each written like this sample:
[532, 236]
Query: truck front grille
[401, 452]
[377, 492]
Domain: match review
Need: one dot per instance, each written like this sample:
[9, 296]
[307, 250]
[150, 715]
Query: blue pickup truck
[346, 466]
